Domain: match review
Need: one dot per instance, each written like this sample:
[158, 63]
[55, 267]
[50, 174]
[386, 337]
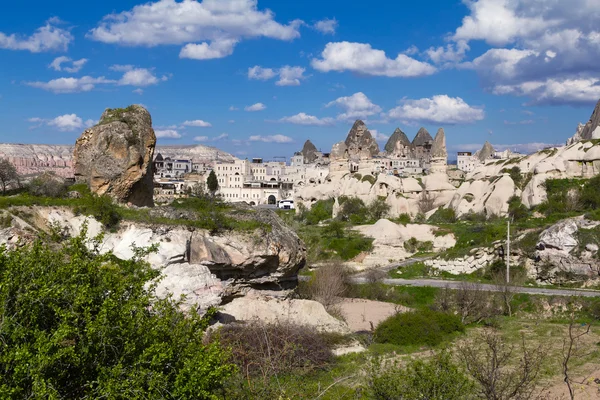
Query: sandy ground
[360, 313]
[584, 386]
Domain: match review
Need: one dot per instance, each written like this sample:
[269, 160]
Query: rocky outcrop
[422, 138]
[397, 143]
[589, 131]
[309, 151]
[207, 269]
[438, 149]
[339, 151]
[115, 156]
[360, 143]
[486, 152]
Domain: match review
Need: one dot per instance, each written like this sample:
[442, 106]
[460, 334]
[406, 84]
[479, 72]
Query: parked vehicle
[286, 205]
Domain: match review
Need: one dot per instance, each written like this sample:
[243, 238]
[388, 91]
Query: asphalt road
[439, 283]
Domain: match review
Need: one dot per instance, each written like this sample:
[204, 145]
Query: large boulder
[115, 156]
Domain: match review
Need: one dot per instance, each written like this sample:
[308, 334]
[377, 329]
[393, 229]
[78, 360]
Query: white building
[466, 161]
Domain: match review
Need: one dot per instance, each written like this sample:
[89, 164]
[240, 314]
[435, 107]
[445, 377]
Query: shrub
[47, 185]
[335, 229]
[413, 245]
[369, 178]
[443, 216]
[100, 207]
[516, 209]
[515, 174]
[267, 349]
[320, 211]
[438, 378]
[403, 219]
[378, 209]
[418, 328]
[353, 210]
[329, 284]
[85, 325]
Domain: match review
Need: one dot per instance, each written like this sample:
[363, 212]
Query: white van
[286, 205]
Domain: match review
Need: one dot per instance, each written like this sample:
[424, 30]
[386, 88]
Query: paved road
[439, 283]
[483, 286]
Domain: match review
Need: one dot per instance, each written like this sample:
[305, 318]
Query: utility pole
[508, 253]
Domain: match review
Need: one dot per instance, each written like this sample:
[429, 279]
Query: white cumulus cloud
[201, 139]
[208, 28]
[197, 123]
[357, 106]
[308, 120]
[271, 139]
[440, 109]
[167, 134]
[288, 76]
[46, 38]
[362, 58]
[64, 123]
[75, 66]
[71, 85]
[255, 107]
[326, 26]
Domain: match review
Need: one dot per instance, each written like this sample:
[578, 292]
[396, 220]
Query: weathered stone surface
[309, 151]
[339, 151]
[115, 156]
[486, 152]
[301, 312]
[397, 143]
[591, 130]
[422, 138]
[438, 149]
[360, 143]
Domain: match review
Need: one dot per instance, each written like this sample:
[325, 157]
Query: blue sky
[258, 78]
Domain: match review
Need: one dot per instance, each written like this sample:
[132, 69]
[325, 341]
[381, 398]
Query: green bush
[438, 378]
[101, 208]
[378, 209]
[417, 328]
[443, 216]
[516, 176]
[79, 325]
[47, 185]
[322, 210]
[412, 245]
[403, 219]
[369, 178]
[516, 209]
[353, 210]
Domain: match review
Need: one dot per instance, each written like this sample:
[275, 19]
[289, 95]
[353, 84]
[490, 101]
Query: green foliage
[403, 219]
[357, 176]
[47, 185]
[563, 196]
[438, 378]
[8, 175]
[353, 210]
[335, 229]
[101, 208]
[443, 216]
[83, 325]
[321, 210]
[516, 209]
[378, 209]
[417, 328]
[325, 243]
[590, 194]
[369, 178]
[212, 183]
[516, 176]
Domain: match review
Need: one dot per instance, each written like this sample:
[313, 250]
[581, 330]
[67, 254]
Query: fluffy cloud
[167, 134]
[357, 106]
[220, 48]
[71, 85]
[132, 77]
[451, 54]
[201, 139]
[208, 28]
[288, 76]
[64, 123]
[76, 66]
[440, 109]
[45, 38]
[255, 107]
[197, 123]
[553, 47]
[525, 148]
[380, 137]
[326, 26]
[214, 139]
[362, 58]
[271, 139]
[308, 120]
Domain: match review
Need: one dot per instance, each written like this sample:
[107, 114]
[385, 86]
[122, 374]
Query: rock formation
[360, 143]
[589, 131]
[422, 138]
[439, 154]
[486, 152]
[309, 151]
[397, 143]
[115, 156]
[339, 151]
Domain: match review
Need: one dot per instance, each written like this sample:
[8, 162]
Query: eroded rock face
[309, 151]
[398, 143]
[360, 143]
[589, 131]
[486, 152]
[115, 156]
[438, 149]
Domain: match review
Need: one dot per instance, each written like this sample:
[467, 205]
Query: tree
[515, 174]
[8, 174]
[502, 371]
[572, 349]
[77, 324]
[516, 209]
[426, 202]
[378, 209]
[212, 182]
